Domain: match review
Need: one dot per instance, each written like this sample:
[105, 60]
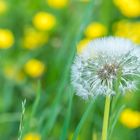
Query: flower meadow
[70, 70]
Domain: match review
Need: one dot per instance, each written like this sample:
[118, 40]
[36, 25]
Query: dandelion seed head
[102, 61]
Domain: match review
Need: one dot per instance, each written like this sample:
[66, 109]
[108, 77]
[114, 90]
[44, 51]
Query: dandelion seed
[96, 69]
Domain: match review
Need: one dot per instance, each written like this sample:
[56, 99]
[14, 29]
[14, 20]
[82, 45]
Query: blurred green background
[38, 41]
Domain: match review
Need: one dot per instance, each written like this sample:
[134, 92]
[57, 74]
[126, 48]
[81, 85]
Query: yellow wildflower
[34, 68]
[95, 30]
[11, 72]
[44, 21]
[3, 6]
[6, 38]
[81, 45]
[34, 39]
[126, 29]
[130, 118]
[58, 4]
[129, 8]
[32, 136]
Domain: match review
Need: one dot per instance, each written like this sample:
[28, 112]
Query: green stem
[106, 118]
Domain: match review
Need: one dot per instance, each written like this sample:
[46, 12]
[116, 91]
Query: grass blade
[67, 119]
[36, 103]
[34, 109]
[83, 119]
[53, 115]
[114, 120]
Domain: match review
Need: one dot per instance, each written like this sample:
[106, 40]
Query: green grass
[52, 109]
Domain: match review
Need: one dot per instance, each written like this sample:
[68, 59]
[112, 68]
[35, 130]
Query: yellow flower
[34, 68]
[44, 21]
[130, 118]
[11, 72]
[34, 39]
[3, 6]
[126, 29]
[81, 45]
[95, 30]
[129, 8]
[58, 4]
[32, 136]
[6, 38]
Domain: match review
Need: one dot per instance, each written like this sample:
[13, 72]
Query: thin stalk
[106, 118]
[22, 120]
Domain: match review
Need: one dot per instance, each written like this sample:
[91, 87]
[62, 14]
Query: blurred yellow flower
[126, 29]
[3, 6]
[34, 68]
[11, 72]
[6, 38]
[58, 4]
[130, 118]
[34, 39]
[44, 21]
[32, 136]
[95, 30]
[81, 45]
[129, 8]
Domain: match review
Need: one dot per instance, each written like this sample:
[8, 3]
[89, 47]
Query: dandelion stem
[106, 118]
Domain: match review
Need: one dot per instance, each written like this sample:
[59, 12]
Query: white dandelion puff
[96, 69]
